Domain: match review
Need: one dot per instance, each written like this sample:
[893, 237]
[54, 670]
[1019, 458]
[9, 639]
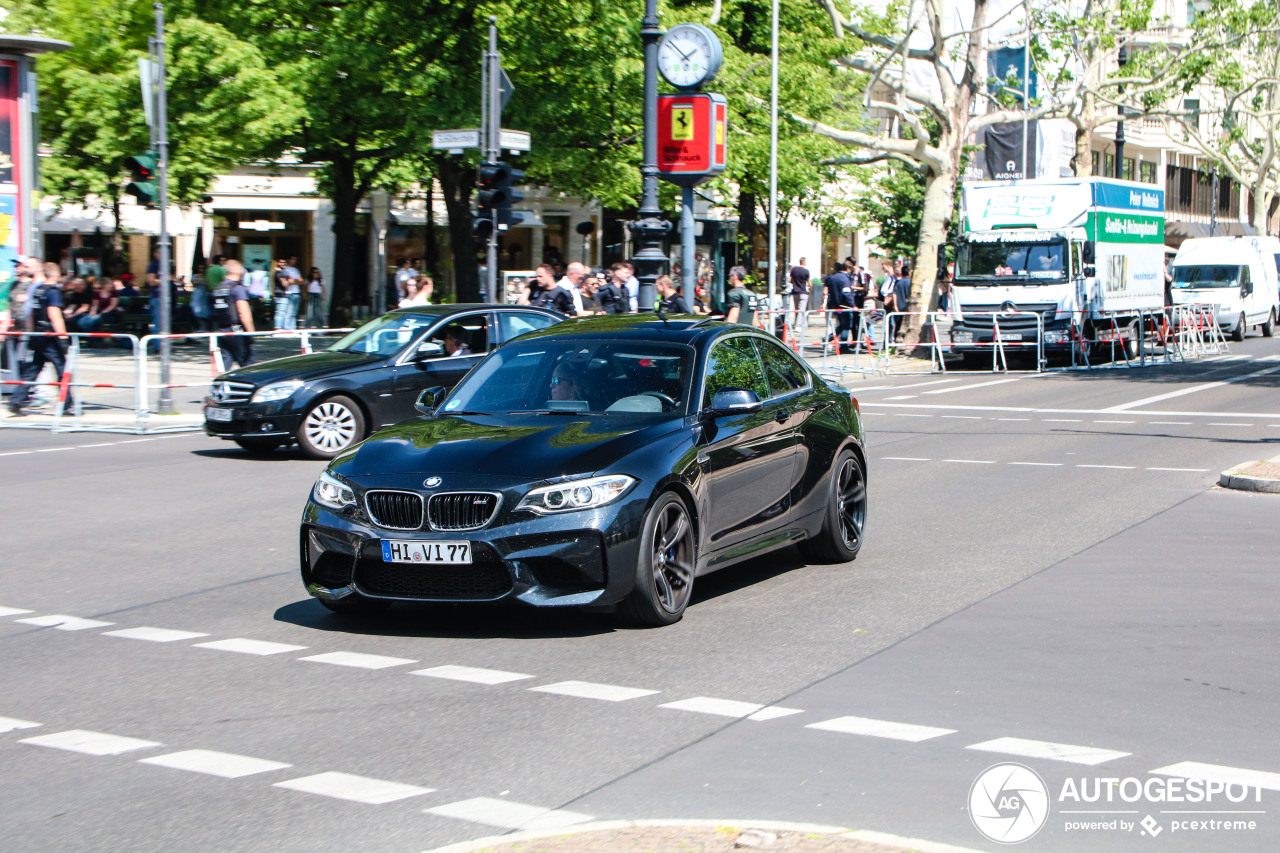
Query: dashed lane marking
[1184, 470]
[903, 397]
[64, 623]
[357, 789]
[962, 417]
[1115, 422]
[718, 707]
[881, 728]
[359, 660]
[1169, 423]
[473, 674]
[154, 635]
[972, 461]
[207, 761]
[250, 647]
[1063, 420]
[905, 458]
[507, 814]
[1232, 425]
[1047, 749]
[1111, 467]
[978, 385]
[11, 724]
[100, 444]
[1221, 773]
[1013, 419]
[591, 690]
[1039, 464]
[904, 415]
[773, 712]
[91, 743]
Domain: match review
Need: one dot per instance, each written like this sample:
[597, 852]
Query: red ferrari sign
[692, 143]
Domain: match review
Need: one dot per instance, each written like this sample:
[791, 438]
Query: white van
[1240, 276]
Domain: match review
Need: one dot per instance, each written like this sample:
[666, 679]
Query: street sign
[692, 143]
[505, 88]
[469, 138]
[515, 140]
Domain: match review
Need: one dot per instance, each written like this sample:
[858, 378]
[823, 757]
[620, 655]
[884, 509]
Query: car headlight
[331, 492]
[576, 494]
[276, 391]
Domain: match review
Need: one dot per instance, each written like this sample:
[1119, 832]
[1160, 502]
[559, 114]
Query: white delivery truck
[1236, 275]
[1084, 255]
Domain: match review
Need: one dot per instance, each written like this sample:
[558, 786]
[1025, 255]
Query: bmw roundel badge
[431, 482]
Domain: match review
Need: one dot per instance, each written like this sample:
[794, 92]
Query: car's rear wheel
[664, 571]
[1269, 327]
[846, 519]
[258, 444]
[330, 427]
[355, 605]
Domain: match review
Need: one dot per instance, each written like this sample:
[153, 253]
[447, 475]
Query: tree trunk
[345, 200]
[431, 257]
[457, 180]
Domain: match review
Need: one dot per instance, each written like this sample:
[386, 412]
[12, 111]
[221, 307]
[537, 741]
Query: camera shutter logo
[1008, 803]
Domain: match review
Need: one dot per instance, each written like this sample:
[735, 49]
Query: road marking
[507, 814]
[1013, 419]
[905, 458]
[1115, 422]
[64, 623]
[90, 743]
[979, 385]
[249, 647]
[1170, 423]
[1045, 749]
[773, 712]
[1232, 425]
[718, 707]
[591, 690]
[1221, 773]
[54, 449]
[913, 385]
[1112, 467]
[1062, 420]
[880, 728]
[903, 397]
[359, 660]
[1192, 390]
[225, 764]
[1186, 470]
[963, 417]
[972, 461]
[13, 611]
[904, 415]
[9, 724]
[1034, 411]
[474, 674]
[1040, 464]
[154, 635]
[357, 789]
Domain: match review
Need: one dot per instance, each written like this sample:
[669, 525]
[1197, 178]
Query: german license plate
[425, 553]
[215, 414]
[1011, 336]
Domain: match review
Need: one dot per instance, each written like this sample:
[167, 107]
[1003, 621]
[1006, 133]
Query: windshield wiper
[573, 413]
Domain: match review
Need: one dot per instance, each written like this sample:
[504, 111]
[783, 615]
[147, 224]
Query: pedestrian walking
[232, 317]
[799, 279]
[614, 298]
[839, 290]
[43, 310]
[315, 299]
[901, 296]
[740, 302]
[671, 302]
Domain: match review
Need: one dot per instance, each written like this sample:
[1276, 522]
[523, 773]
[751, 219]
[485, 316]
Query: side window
[733, 364]
[514, 323]
[1245, 275]
[464, 335]
[783, 372]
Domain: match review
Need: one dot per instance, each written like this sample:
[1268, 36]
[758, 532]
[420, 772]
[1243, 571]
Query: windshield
[615, 378]
[1035, 261]
[385, 335]
[1206, 275]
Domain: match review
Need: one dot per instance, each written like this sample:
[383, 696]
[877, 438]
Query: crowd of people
[579, 291]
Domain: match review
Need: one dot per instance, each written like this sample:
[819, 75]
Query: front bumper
[572, 559]
[1015, 337]
[254, 419]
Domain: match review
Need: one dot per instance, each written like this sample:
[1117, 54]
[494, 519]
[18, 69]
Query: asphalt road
[1047, 560]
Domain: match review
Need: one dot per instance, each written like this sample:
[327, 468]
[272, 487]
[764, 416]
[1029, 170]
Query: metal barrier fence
[103, 389]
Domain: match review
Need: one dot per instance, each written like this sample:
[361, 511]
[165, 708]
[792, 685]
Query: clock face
[688, 56]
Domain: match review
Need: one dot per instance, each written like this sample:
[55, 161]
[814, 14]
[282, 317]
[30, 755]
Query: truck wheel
[1237, 334]
[1269, 327]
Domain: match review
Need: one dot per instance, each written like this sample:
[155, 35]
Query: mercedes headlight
[577, 494]
[276, 391]
[334, 493]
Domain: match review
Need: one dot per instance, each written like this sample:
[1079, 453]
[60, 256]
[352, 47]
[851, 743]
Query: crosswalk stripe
[64, 623]
[1046, 749]
[225, 764]
[718, 707]
[591, 690]
[249, 647]
[9, 724]
[359, 660]
[881, 728]
[473, 674]
[12, 611]
[154, 635]
[90, 743]
[357, 789]
[507, 814]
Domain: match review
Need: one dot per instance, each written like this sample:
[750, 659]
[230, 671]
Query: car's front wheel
[1238, 333]
[840, 538]
[664, 571]
[330, 426]
[1269, 327]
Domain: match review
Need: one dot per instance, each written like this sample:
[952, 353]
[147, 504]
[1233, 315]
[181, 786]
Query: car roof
[691, 329]
[467, 307]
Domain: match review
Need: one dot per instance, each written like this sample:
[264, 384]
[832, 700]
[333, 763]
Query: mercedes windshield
[1028, 262]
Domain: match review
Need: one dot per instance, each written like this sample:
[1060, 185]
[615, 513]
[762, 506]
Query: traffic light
[142, 183]
[497, 194]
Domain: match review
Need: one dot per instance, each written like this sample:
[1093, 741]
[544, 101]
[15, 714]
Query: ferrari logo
[682, 122]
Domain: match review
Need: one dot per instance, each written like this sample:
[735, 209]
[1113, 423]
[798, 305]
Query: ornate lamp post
[649, 228]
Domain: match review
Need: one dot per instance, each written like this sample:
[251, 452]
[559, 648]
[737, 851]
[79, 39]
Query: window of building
[1096, 157]
[1109, 165]
[1192, 107]
[1127, 174]
[1147, 172]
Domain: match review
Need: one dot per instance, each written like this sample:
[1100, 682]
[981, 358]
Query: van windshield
[1206, 275]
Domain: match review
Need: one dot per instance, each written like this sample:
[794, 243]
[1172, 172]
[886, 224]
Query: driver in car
[567, 382]
[455, 344]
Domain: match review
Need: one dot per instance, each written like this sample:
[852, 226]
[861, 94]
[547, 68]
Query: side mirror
[429, 399]
[1088, 253]
[733, 401]
[1246, 288]
[428, 349]
[1090, 272]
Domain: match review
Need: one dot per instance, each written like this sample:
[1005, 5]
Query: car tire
[330, 426]
[665, 565]
[1237, 334]
[355, 605]
[1269, 327]
[259, 444]
[845, 521]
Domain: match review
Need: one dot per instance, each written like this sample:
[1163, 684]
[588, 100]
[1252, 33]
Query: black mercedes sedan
[328, 401]
[605, 461]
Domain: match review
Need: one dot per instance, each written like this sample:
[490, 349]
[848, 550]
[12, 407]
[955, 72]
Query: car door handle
[782, 415]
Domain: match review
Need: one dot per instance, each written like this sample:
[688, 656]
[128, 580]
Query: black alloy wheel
[664, 572]
[845, 524]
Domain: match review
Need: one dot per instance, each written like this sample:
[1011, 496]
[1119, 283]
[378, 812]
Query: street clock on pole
[689, 56]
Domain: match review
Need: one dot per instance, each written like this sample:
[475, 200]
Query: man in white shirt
[572, 282]
[633, 286]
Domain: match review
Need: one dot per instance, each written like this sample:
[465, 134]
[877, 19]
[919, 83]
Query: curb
[1253, 477]
[896, 842]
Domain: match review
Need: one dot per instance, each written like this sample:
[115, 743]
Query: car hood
[316, 365]
[527, 448]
